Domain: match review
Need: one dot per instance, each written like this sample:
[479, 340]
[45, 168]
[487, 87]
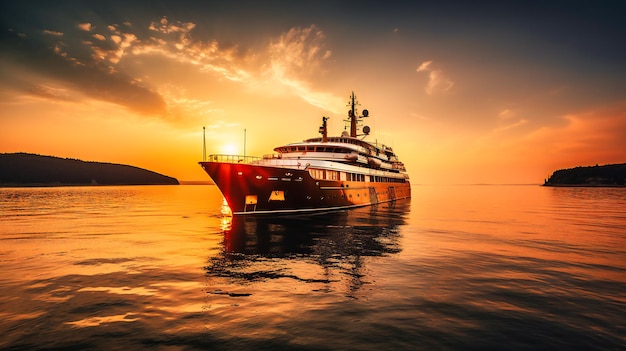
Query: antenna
[244, 145]
[352, 115]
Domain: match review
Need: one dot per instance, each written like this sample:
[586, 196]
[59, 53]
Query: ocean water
[455, 267]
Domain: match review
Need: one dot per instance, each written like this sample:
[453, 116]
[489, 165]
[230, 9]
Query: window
[317, 173]
[332, 175]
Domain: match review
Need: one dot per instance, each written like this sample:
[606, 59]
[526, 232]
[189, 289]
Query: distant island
[23, 169]
[607, 175]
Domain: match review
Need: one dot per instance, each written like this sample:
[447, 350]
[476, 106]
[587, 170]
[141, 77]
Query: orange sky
[465, 94]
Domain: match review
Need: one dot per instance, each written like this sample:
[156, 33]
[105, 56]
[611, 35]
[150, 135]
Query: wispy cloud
[180, 106]
[508, 119]
[53, 33]
[298, 52]
[424, 66]
[506, 114]
[437, 80]
[49, 92]
[297, 56]
[506, 127]
[594, 136]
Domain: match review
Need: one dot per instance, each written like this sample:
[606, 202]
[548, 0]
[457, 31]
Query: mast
[203, 144]
[352, 115]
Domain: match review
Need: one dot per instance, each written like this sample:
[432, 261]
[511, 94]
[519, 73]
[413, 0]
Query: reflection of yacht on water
[316, 174]
[331, 246]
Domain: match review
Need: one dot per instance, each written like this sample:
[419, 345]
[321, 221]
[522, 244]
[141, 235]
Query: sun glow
[229, 149]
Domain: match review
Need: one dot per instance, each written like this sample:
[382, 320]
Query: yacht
[319, 174]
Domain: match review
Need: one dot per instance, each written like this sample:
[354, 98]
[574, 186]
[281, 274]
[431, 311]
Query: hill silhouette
[22, 169]
[607, 175]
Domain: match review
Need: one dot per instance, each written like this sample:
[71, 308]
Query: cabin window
[354, 177]
[332, 175]
[317, 173]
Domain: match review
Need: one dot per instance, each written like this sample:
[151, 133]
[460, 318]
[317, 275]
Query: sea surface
[455, 267]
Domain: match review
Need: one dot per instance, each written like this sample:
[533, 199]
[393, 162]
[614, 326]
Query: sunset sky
[465, 92]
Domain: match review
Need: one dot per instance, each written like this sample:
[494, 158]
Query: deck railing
[232, 158]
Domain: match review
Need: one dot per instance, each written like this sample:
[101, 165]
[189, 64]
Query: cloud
[510, 126]
[91, 65]
[166, 27]
[180, 107]
[299, 51]
[296, 57]
[174, 40]
[49, 92]
[291, 60]
[87, 77]
[297, 54]
[424, 66]
[113, 51]
[437, 80]
[505, 114]
[87, 27]
[595, 136]
[53, 33]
